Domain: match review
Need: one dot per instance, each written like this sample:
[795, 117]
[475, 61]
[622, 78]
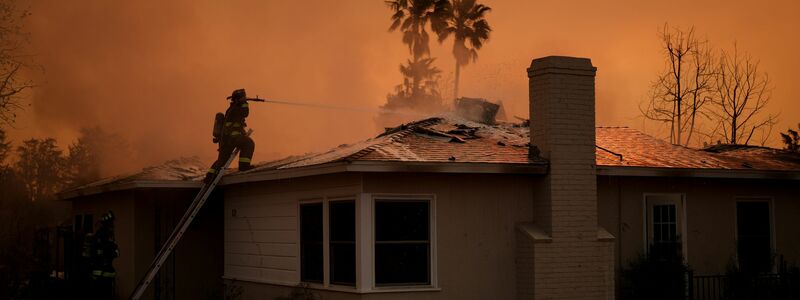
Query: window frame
[300, 241]
[433, 261]
[327, 241]
[681, 219]
[772, 237]
[326, 259]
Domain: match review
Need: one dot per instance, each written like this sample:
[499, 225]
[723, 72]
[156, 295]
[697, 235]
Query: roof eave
[389, 166]
[697, 173]
[136, 184]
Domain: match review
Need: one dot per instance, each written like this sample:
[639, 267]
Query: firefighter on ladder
[100, 250]
[233, 135]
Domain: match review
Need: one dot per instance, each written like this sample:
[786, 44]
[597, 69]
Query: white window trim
[772, 237]
[434, 286]
[326, 281]
[684, 223]
[365, 245]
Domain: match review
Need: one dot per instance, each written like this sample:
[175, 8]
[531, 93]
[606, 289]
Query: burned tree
[742, 91]
[680, 92]
[13, 38]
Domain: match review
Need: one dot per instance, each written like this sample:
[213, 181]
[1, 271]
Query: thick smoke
[155, 72]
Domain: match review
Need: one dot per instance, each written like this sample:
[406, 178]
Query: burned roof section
[452, 139]
[439, 139]
[181, 172]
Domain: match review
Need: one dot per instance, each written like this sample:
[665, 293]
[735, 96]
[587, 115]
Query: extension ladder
[180, 229]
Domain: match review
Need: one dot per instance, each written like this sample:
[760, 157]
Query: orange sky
[157, 71]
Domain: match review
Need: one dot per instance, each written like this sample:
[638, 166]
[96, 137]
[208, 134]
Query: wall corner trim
[603, 235]
[536, 234]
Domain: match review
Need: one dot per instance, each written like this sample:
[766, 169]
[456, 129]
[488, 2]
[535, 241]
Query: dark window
[77, 228]
[311, 260]
[88, 223]
[402, 243]
[665, 241]
[754, 244]
[343, 242]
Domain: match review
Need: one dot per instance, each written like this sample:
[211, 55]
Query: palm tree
[419, 77]
[412, 17]
[466, 22]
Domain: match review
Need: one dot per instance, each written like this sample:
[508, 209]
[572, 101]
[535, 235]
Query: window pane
[754, 242]
[88, 223]
[311, 261]
[342, 218]
[657, 228]
[401, 221]
[664, 243]
[78, 222]
[657, 213]
[402, 243]
[343, 263]
[399, 264]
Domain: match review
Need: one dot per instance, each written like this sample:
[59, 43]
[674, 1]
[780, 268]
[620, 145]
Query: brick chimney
[564, 253]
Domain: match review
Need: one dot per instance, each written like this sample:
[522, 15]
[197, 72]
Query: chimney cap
[562, 65]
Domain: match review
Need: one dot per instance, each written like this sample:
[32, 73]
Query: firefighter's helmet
[107, 218]
[238, 94]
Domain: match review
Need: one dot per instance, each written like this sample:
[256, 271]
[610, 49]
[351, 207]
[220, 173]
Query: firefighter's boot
[244, 166]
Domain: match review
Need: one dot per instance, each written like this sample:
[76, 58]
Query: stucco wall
[710, 206]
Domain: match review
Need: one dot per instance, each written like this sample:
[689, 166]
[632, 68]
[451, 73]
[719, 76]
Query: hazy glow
[157, 71]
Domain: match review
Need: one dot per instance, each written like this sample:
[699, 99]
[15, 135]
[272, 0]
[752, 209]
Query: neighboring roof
[626, 151]
[184, 172]
[455, 145]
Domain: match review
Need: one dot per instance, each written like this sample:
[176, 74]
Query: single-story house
[449, 208]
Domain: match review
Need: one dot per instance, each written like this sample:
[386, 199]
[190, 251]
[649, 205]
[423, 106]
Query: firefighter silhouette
[99, 251]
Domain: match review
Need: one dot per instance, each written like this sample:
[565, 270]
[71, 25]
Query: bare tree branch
[680, 92]
[743, 92]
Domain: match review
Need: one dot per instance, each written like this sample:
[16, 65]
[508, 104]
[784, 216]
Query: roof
[626, 151]
[184, 172]
[452, 144]
[430, 140]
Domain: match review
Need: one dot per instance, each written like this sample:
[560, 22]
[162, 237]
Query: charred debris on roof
[477, 110]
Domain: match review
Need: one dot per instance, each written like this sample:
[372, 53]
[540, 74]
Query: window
[342, 242]
[76, 227]
[664, 226]
[88, 223]
[402, 242]
[754, 243]
[311, 257]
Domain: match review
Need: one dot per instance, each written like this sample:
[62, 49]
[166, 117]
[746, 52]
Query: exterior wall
[261, 222]
[474, 241]
[157, 213]
[710, 206]
[122, 204]
[135, 233]
[475, 219]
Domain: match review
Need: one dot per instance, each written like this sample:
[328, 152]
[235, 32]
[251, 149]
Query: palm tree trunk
[458, 74]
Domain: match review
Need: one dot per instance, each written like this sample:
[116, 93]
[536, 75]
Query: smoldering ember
[400, 149]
